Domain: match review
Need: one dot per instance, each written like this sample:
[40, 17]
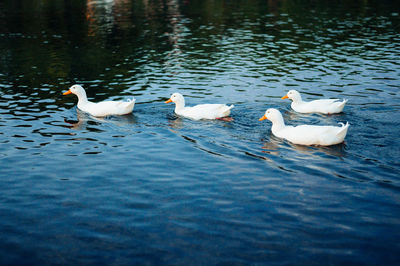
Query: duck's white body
[101, 109]
[201, 111]
[323, 106]
[305, 134]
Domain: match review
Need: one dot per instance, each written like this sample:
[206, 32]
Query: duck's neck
[297, 99]
[277, 125]
[82, 98]
[179, 105]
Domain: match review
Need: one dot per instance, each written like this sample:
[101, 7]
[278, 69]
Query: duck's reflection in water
[175, 123]
[86, 121]
[275, 144]
[337, 150]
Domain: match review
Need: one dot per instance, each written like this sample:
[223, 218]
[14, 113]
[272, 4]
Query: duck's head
[292, 95]
[176, 98]
[272, 114]
[75, 89]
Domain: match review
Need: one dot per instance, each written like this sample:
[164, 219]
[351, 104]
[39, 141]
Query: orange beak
[169, 101]
[67, 92]
[284, 97]
[262, 118]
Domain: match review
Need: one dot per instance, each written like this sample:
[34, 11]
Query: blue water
[153, 188]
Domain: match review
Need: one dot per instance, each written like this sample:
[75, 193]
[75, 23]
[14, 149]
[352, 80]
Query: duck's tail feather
[227, 110]
[128, 104]
[343, 130]
[342, 104]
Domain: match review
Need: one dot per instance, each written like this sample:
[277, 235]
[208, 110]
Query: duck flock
[302, 134]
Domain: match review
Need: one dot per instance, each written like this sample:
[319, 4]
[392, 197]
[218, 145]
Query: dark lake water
[153, 188]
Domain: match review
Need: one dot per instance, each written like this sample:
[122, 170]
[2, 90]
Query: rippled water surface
[154, 188]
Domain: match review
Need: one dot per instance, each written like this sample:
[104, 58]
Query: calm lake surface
[153, 188]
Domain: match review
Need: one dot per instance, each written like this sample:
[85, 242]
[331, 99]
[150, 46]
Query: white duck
[324, 106]
[305, 134]
[102, 108]
[201, 111]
